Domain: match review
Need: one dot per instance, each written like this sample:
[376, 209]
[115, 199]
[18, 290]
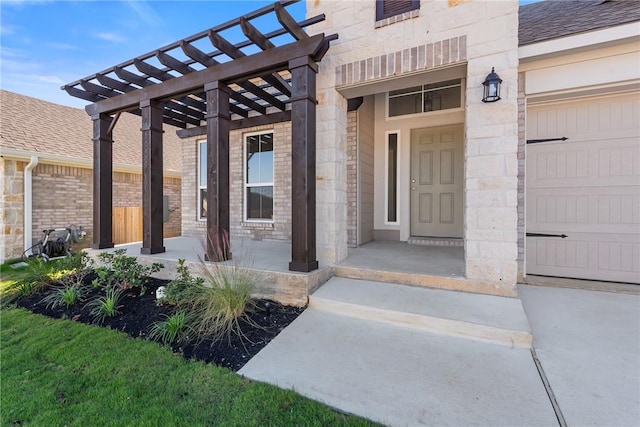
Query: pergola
[267, 78]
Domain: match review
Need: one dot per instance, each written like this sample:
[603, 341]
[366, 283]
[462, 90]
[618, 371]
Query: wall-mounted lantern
[492, 87]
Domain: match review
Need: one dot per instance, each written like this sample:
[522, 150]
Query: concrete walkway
[588, 344]
[408, 356]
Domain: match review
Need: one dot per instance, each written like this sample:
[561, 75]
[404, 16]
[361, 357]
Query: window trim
[380, 15]
[386, 176]
[245, 185]
[198, 186]
[463, 88]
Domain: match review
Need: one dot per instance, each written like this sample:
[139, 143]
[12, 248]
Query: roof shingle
[39, 126]
[552, 19]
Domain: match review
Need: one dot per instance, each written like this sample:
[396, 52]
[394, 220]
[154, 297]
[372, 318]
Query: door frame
[458, 163]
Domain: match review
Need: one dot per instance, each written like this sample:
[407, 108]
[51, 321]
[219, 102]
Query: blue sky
[44, 44]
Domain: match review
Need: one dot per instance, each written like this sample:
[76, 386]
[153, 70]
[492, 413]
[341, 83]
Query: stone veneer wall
[457, 34]
[12, 202]
[280, 229]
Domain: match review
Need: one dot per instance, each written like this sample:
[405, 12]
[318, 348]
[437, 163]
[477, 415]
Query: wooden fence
[127, 224]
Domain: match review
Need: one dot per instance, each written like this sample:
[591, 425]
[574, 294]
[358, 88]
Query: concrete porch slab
[481, 317]
[440, 267]
[268, 260]
[403, 377]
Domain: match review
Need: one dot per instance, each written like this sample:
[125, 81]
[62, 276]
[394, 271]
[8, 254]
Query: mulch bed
[139, 312]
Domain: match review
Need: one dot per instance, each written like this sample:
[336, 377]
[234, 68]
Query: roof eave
[605, 36]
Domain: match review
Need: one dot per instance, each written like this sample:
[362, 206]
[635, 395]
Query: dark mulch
[139, 312]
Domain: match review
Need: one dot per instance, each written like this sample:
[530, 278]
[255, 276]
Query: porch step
[436, 241]
[479, 317]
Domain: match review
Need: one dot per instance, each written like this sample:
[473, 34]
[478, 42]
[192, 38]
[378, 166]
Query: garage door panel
[565, 210]
[587, 188]
[586, 256]
[611, 162]
[587, 119]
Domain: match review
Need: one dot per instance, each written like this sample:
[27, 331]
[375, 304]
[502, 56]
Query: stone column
[303, 165]
[491, 160]
[218, 118]
[331, 163]
[152, 234]
[102, 182]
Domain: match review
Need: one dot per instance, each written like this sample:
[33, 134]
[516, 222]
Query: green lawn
[59, 372]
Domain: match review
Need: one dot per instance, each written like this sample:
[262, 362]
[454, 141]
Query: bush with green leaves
[174, 329]
[107, 305]
[125, 271]
[64, 296]
[179, 289]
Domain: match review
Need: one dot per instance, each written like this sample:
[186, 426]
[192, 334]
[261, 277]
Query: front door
[437, 181]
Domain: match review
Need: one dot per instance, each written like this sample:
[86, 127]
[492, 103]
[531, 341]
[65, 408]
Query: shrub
[179, 289]
[107, 305]
[126, 271]
[173, 329]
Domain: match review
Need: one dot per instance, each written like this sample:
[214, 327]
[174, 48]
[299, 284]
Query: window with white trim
[258, 177]
[426, 98]
[202, 180]
[391, 173]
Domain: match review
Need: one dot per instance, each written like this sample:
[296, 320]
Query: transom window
[259, 177]
[202, 180]
[425, 98]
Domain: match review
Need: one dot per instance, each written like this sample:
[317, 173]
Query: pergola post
[152, 237]
[303, 164]
[102, 181]
[218, 121]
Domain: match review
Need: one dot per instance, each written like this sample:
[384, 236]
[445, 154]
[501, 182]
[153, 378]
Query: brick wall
[280, 229]
[63, 195]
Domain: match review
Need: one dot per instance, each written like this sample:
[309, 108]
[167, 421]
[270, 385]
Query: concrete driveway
[588, 343]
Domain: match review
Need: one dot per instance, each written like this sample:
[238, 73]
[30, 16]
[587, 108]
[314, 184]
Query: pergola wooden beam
[254, 35]
[178, 93]
[197, 55]
[289, 23]
[171, 62]
[265, 119]
[233, 52]
[131, 77]
[239, 69]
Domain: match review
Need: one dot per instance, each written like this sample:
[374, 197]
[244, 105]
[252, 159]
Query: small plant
[64, 295]
[184, 283]
[103, 278]
[107, 305]
[173, 329]
[25, 288]
[126, 271]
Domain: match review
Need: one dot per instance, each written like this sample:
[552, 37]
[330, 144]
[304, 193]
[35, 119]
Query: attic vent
[389, 8]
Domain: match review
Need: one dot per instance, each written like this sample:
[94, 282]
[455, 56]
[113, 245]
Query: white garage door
[587, 188]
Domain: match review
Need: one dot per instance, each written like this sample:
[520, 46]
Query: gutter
[28, 203]
[55, 159]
